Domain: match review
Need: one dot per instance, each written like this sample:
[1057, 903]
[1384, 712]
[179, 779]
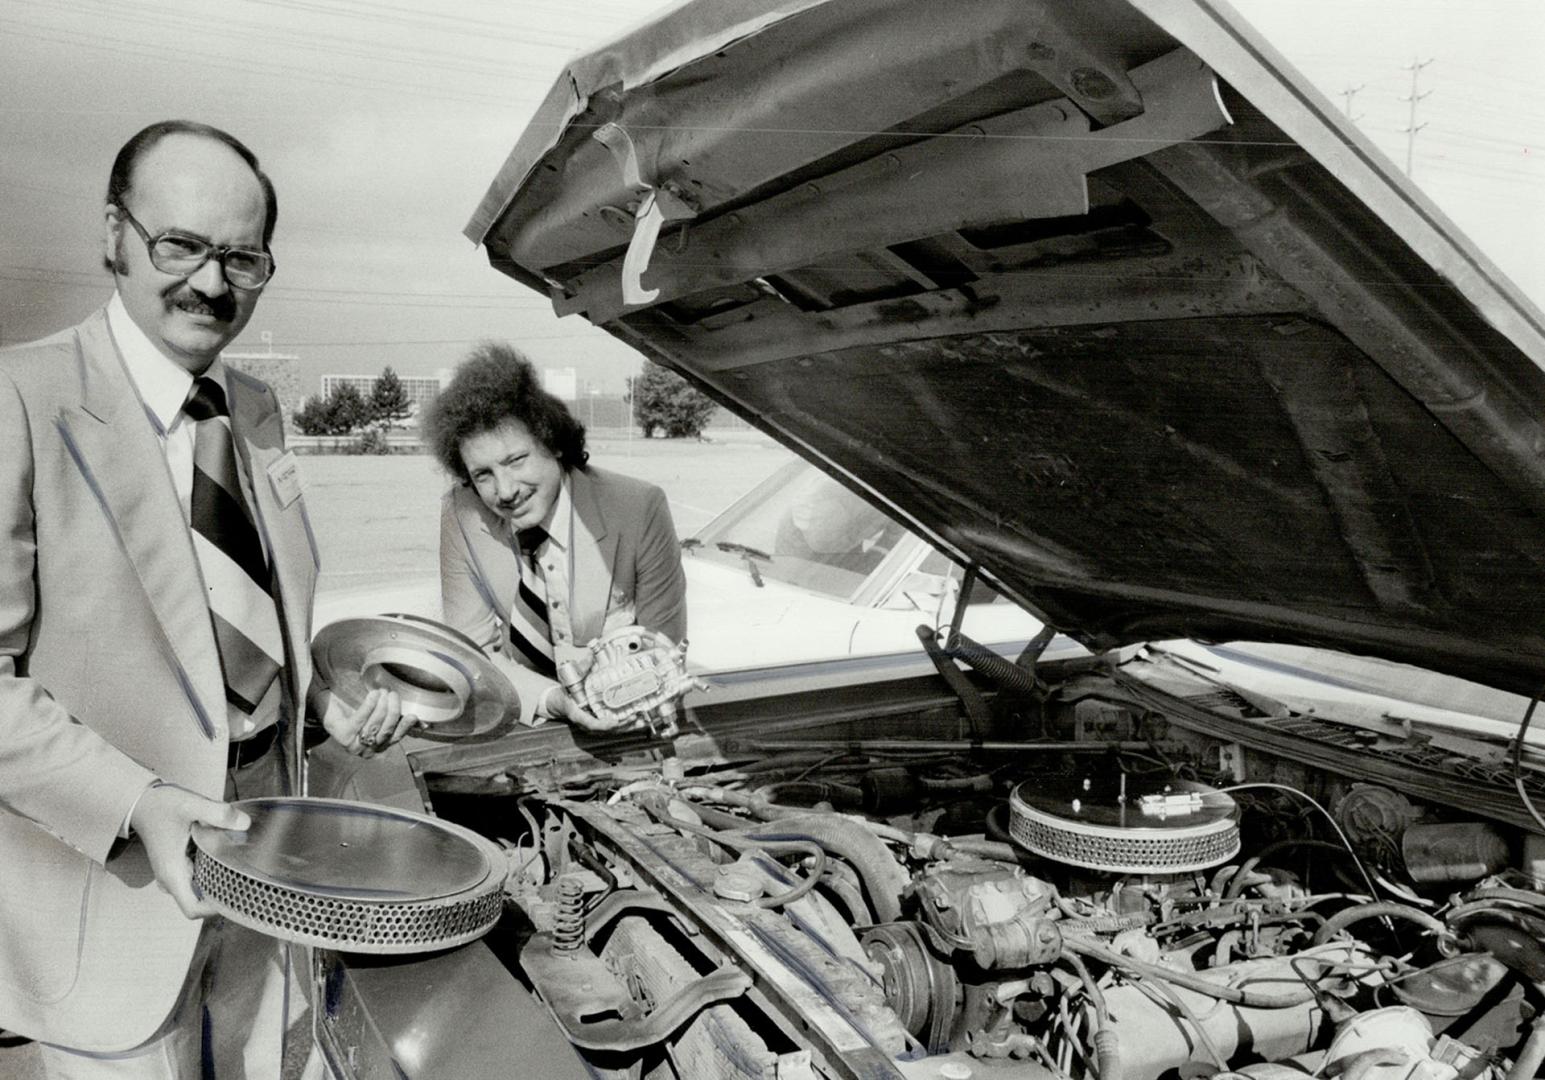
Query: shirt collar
[162, 383]
[559, 521]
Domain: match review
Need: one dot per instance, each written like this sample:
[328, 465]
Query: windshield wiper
[691, 542]
[749, 554]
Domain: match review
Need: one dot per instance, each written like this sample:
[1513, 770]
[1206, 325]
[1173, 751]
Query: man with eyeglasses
[156, 576]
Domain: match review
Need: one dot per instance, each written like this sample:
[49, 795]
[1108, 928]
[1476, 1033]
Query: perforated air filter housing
[351, 876]
[1142, 827]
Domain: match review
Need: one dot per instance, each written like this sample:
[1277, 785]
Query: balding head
[120, 180]
[202, 187]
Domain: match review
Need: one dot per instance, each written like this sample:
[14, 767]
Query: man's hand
[163, 819]
[557, 704]
[375, 725]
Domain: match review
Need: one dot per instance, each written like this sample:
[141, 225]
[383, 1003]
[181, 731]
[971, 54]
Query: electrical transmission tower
[1412, 127]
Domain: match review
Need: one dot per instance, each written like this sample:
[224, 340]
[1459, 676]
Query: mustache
[222, 307]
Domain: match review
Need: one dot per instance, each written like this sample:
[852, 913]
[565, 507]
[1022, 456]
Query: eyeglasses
[183, 255]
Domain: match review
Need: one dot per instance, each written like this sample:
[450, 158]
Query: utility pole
[1412, 127]
[1347, 93]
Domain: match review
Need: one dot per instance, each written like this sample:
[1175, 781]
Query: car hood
[1099, 296]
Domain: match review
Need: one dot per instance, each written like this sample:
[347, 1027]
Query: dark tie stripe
[222, 520]
[206, 401]
[535, 609]
[217, 457]
[530, 611]
[539, 660]
[249, 670]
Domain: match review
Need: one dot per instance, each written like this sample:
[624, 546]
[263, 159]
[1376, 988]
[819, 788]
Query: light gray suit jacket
[627, 568]
[109, 677]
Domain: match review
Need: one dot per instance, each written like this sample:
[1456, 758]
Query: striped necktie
[530, 634]
[241, 602]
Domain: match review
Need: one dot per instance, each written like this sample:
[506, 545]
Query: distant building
[421, 389]
[560, 383]
[279, 370]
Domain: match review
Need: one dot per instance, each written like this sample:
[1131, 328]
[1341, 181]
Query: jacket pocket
[43, 892]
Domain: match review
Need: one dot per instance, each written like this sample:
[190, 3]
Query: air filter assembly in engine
[1125, 825]
[351, 876]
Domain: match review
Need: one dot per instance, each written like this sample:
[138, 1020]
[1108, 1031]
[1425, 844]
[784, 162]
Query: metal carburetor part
[635, 675]
[998, 914]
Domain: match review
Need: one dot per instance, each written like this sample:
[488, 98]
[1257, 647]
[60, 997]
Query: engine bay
[1102, 874]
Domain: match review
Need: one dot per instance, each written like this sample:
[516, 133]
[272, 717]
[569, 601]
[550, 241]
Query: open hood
[1097, 295]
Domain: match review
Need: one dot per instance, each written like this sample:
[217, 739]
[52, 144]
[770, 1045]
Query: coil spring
[569, 920]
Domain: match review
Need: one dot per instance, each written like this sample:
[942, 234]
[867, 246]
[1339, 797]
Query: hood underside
[1096, 295]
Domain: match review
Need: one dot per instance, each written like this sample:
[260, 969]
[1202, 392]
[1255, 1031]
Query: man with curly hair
[540, 552]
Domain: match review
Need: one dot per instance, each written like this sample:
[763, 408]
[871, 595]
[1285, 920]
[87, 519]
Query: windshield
[801, 528]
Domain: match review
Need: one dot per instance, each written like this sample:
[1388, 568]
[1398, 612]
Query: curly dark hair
[496, 383]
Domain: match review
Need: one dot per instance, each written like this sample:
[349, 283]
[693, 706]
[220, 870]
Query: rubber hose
[1378, 909]
[1236, 883]
[987, 849]
[845, 795]
[1107, 1053]
[1191, 981]
[996, 825]
[1092, 988]
[882, 876]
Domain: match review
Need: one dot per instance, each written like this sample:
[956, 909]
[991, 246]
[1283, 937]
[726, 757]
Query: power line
[246, 31]
[233, 64]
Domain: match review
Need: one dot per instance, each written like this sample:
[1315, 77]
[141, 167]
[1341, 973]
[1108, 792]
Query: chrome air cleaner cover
[1139, 826]
[351, 876]
[444, 679]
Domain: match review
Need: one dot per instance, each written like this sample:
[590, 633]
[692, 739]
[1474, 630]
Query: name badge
[284, 475]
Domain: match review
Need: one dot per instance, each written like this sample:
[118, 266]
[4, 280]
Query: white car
[797, 570]
[801, 569]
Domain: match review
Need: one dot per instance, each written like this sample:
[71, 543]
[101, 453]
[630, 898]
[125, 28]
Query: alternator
[635, 676]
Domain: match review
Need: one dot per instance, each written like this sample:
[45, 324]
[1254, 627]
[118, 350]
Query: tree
[349, 410]
[313, 417]
[389, 404]
[339, 413]
[663, 400]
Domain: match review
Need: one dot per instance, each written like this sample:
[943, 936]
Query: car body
[758, 593]
[1106, 303]
[799, 605]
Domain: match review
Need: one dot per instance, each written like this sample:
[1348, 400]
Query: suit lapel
[595, 553]
[113, 444]
[258, 431]
[489, 543]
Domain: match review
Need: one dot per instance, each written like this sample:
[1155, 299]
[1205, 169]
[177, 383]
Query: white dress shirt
[162, 385]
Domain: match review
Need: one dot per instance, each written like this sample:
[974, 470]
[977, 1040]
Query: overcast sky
[383, 121]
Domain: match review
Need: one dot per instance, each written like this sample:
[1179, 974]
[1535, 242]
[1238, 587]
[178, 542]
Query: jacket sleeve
[54, 770]
[660, 588]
